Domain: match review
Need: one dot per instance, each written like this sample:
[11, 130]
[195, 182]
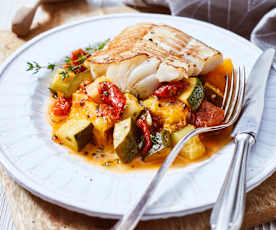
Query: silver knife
[229, 208]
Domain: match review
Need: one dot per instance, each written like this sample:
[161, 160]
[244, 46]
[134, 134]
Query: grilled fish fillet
[144, 55]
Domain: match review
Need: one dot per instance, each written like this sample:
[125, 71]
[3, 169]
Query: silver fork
[232, 104]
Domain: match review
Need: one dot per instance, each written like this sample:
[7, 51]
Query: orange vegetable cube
[217, 77]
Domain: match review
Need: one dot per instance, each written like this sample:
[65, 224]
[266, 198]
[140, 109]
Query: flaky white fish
[144, 55]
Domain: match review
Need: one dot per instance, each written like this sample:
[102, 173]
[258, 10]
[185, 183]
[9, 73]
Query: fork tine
[225, 91]
[240, 98]
[229, 97]
[236, 93]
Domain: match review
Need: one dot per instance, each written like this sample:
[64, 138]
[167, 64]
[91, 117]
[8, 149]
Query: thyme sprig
[35, 67]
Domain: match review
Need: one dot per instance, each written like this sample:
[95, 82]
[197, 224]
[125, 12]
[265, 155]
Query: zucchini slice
[132, 108]
[124, 140]
[194, 148]
[75, 134]
[68, 85]
[161, 146]
[213, 94]
[194, 94]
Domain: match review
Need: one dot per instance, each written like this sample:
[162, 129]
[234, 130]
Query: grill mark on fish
[180, 55]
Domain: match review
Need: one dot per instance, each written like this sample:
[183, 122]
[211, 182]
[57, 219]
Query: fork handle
[131, 218]
[229, 208]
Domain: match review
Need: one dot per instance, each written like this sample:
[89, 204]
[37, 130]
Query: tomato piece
[111, 95]
[208, 115]
[147, 143]
[107, 112]
[170, 89]
[76, 55]
[62, 106]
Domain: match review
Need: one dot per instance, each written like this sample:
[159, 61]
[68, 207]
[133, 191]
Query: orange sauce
[105, 156]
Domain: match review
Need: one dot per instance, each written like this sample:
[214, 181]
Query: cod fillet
[144, 55]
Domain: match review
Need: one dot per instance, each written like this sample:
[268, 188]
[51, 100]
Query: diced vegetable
[171, 113]
[194, 148]
[75, 134]
[124, 140]
[101, 124]
[69, 84]
[213, 94]
[161, 146]
[76, 61]
[147, 142]
[208, 115]
[169, 89]
[83, 108]
[217, 76]
[193, 94]
[112, 95]
[92, 89]
[132, 108]
[62, 106]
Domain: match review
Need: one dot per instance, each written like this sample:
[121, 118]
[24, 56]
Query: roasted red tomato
[76, 61]
[111, 95]
[107, 112]
[147, 144]
[62, 106]
[170, 89]
[208, 115]
[77, 54]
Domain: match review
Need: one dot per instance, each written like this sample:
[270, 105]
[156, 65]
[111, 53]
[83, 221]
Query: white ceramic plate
[48, 171]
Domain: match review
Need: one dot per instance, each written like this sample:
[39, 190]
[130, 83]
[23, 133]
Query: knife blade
[229, 208]
[251, 115]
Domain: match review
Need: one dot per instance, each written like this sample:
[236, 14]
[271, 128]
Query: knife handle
[228, 211]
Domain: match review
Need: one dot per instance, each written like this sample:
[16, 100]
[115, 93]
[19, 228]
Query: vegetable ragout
[111, 125]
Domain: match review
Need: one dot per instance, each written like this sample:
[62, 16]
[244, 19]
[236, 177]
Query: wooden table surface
[261, 205]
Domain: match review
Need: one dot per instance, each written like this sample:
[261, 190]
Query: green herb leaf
[64, 74]
[89, 48]
[67, 59]
[102, 45]
[51, 67]
[72, 65]
[33, 66]
[82, 59]
[30, 66]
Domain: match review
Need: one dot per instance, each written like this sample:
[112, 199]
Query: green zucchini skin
[213, 95]
[76, 134]
[84, 136]
[70, 84]
[194, 94]
[124, 138]
[160, 148]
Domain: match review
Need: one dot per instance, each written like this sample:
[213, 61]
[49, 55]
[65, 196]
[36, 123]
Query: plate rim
[48, 195]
